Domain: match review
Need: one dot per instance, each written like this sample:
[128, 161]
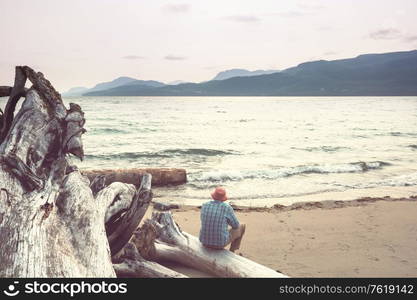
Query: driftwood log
[52, 223]
[160, 239]
[160, 176]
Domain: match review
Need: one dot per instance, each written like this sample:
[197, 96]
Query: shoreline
[170, 186]
[345, 196]
[307, 205]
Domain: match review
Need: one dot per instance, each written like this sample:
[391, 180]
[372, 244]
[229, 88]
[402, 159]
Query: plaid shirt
[215, 216]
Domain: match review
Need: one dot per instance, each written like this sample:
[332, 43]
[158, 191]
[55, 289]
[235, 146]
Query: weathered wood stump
[51, 222]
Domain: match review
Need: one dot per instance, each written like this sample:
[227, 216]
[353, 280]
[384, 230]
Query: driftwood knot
[47, 207]
[4, 191]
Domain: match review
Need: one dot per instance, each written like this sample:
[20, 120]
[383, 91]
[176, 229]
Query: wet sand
[363, 238]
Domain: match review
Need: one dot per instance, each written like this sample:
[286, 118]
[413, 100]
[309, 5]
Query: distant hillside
[111, 84]
[387, 74]
[118, 82]
[78, 91]
[75, 91]
[149, 83]
[241, 73]
[124, 90]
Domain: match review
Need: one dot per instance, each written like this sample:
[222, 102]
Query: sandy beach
[369, 237]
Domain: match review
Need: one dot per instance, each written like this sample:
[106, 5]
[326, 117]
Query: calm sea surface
[258, 148]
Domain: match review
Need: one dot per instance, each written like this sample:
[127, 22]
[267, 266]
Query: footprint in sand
[404, 261]
[298, 265]
[344, 247]
[391, 248]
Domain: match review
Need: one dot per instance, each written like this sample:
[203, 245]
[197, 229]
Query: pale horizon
[82, 43]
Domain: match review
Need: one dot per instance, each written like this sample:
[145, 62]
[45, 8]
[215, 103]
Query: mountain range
[241, 73]
[386, 74]
[127, 82]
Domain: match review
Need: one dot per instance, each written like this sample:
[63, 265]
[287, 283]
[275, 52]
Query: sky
[84, 42]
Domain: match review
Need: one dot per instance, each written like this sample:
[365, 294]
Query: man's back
[215, 216]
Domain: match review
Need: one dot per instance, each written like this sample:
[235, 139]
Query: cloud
[313, 58]
[290, 14]
[212, 67]
[304, 10]
[133, 57]
[392, 34]
[324, 28]
[293, 13]
[174, 57]
[411, 38]
[243, 18]
[309, 6]
[177, 8]
[328, 53]
[385, 34]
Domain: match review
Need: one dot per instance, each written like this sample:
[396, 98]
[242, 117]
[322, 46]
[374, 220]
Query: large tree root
[125, 213]
[52, 224]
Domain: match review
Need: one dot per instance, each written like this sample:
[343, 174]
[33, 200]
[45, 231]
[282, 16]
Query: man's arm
[231, 218]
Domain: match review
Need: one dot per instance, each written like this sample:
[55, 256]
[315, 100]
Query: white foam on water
[239, 175]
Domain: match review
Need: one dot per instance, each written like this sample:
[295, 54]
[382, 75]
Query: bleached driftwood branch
[163, 240]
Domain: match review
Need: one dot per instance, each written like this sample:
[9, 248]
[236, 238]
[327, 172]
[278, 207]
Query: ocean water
[262, 149]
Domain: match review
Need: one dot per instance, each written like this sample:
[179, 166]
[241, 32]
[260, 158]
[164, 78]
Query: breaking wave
[230, 175]
[395, 181]
[107, 131]
[199, 151]
[322, 149]
[164, 153]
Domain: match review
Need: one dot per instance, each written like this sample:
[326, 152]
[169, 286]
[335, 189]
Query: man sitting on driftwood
[216, 215]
